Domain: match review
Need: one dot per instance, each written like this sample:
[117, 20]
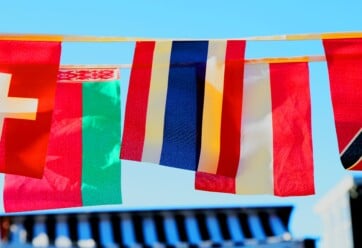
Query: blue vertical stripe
[106, 234]
[214, 228]
[39, 226]
[277, 225]
[61, 227]
[256, 227]
[40, 236]
[235, 229]
[170, 227]
[184, 104]
[192, 230]
[84, 229]
[62, 232]
[149, 231]
[17, 232]
[128, 234]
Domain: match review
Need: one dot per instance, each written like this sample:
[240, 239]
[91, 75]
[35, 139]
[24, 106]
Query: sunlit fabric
[276, 155]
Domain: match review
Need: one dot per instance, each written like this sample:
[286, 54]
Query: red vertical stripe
[231, 109]
[60, 185]
[292, 135]
[34, 67]
[137, 100]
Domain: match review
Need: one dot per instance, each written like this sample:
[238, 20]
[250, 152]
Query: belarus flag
[83, 166]
[274, 155]
[344, 59]
[28, 74]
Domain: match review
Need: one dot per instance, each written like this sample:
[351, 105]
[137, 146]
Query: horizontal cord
[247, 61]
[84, 38]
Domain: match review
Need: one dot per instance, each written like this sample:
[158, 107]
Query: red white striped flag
[170, 80]
[344, 59]
[28, 74]
[275, 151]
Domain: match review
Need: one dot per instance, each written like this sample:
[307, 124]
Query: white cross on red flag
[28, 75]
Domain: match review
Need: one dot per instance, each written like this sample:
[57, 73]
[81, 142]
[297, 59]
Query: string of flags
[242, 128]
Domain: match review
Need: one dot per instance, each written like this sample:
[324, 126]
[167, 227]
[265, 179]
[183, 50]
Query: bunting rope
[84, 38]
[247, 61]
[287, 37]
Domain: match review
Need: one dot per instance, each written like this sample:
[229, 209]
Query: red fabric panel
[214, 183]
[292, 132]
[60, 185]
[34, 67]
[137, 101]
[231, 109]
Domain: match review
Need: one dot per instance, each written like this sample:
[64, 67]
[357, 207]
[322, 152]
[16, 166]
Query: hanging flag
[275, 136]
[344, 60]
[83, 165]
[165, 116]
[28, 74]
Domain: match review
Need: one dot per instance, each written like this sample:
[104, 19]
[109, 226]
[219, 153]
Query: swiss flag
[28, 76]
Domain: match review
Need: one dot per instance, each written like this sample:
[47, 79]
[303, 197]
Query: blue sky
[204, 20]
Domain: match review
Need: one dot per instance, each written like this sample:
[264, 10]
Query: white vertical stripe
[157, 102]
[211, 119]
[2, 184]
[255, 174]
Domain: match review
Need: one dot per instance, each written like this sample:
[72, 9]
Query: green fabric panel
[101, 170]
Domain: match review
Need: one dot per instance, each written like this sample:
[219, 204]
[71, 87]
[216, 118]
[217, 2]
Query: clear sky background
[150, 186]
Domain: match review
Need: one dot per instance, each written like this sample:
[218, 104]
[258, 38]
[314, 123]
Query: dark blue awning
[217, 227]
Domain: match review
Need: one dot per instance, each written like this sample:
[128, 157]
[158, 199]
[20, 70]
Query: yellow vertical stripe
[157, 102]
[211, 122]
[255, 173]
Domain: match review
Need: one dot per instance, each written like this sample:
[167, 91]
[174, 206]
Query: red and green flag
[83, 166]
